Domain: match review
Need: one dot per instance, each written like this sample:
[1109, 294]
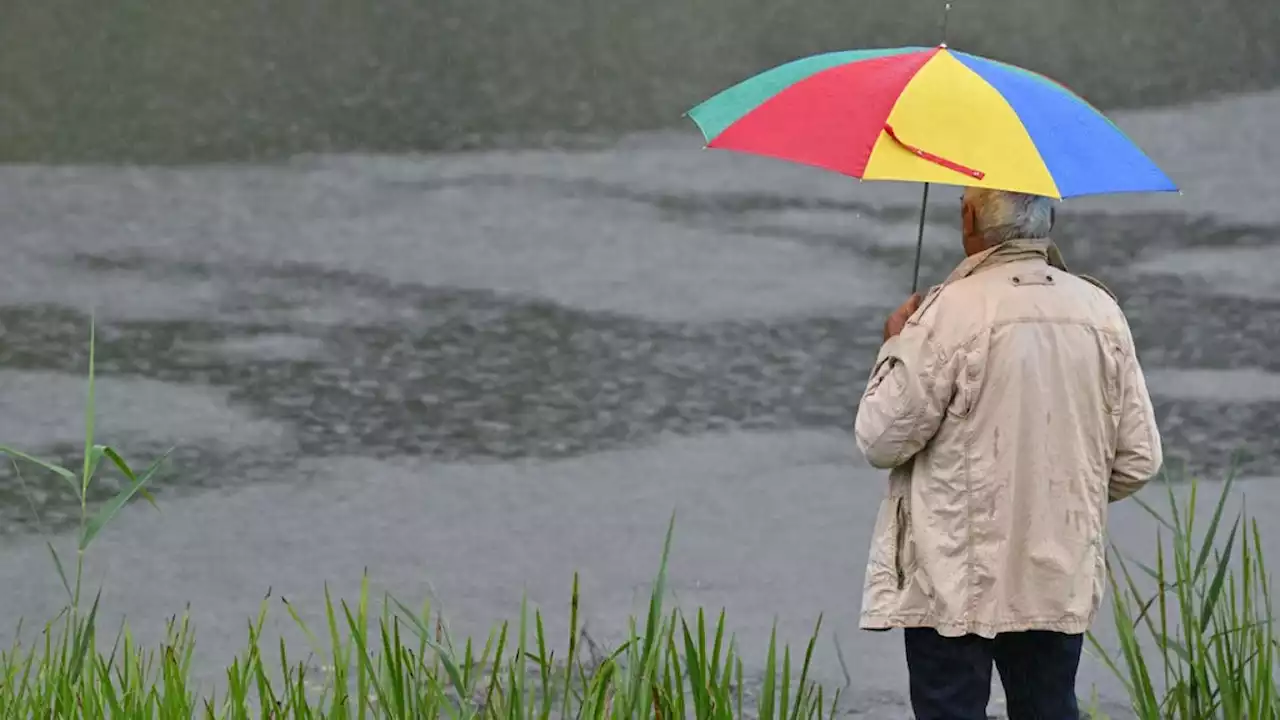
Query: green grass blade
[715, 645]
[85, 640]
[1211, 534]
[573, 647]
[770, 677]
[127, 471]
[495, 672]
[695, 662]
[1153, 513]
[522, 651]
[784, 688]
[62, 573]
[1215, 588]
[113, 506]
[544, 666]
[804, 671]
[1102, 654]
[89, 410]
[359, 633]
[54, 468]
[739, 685]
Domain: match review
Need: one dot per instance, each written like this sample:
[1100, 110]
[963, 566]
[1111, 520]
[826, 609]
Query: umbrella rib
[935, 159]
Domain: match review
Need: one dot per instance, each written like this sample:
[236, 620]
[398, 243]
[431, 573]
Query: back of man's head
[998, 216]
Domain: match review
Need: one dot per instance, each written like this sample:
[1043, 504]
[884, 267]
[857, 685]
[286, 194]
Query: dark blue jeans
[951, 677]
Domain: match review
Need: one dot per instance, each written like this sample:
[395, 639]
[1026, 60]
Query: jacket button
[1016, 279]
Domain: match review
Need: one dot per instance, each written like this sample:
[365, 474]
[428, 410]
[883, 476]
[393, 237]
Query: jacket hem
[1070, 625]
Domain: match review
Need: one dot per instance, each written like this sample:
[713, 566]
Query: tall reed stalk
[69, 652]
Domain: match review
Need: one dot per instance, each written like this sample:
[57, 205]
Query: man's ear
[968, 220]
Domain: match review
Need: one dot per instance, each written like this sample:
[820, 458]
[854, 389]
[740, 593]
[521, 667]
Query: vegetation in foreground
[389, 663]
[1195, 630]
[1195, 638]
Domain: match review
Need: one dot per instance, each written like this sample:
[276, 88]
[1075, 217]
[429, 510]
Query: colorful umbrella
[929, 115]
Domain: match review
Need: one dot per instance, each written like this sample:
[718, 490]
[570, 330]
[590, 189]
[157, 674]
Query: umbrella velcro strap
[937, 160]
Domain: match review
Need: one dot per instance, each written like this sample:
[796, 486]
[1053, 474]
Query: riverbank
[772, 528]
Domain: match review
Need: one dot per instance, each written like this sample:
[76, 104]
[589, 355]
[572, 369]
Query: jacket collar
[1007, 252]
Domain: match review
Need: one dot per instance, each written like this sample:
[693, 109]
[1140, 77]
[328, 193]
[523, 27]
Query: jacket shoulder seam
[1098, 284]
[1029, 320]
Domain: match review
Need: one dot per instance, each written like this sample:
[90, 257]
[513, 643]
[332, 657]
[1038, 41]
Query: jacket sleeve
[906, 398]
[1139, 454]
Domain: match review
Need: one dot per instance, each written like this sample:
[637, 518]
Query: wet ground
[487, 370]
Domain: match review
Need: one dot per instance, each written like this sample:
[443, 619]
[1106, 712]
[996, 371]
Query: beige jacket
[1010, 409]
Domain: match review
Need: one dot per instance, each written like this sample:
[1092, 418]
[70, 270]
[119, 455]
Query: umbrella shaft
[924, 200]
[924, 207]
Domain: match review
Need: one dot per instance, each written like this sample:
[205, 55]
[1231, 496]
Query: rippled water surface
[486, 370]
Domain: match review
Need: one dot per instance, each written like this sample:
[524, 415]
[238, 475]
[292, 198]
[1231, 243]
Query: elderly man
[1010, 407]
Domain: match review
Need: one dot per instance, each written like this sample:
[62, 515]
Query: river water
[475, 373]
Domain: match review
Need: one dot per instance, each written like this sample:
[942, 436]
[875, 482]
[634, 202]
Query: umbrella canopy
[929, 115]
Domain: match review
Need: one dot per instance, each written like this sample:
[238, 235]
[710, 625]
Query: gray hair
[1002, 216]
